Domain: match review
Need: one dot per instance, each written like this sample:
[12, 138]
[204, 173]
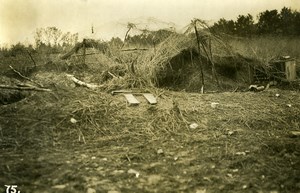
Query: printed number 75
[11, 189]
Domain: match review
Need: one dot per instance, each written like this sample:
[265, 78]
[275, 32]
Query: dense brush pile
[176, 63]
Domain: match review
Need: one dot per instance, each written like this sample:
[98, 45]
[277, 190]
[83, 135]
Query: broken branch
[81, 83]
[33, 88]
[24, 77]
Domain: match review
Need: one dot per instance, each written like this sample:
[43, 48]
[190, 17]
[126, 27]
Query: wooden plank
[131, 99]
[150, 98]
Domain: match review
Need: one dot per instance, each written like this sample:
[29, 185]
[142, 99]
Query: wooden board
[131, 99]
[150, 98]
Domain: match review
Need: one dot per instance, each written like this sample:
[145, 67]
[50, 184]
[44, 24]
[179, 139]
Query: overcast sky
[20, 18]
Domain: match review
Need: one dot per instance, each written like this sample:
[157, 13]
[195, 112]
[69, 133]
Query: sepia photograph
[156, 96]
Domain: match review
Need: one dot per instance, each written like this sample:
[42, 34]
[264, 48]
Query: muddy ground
[243, 145]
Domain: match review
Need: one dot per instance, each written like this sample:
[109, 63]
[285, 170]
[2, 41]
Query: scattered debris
[118, 172]
[289, 105]
[294, 133]
[207, 179]
[25, 87]
[73, 120]
[150, 98]
[230, 133]
[277, 95]
[240, 153]
[61, 186]
[131, 99]
[235, 170]
[129, 95]
[201, 191]
[256, 88]
[91, 190]
[194, 126]
[132, 171]
[214, 104]
[160, 151]
[81, 83]
[113, 191]
[274, 191]
[229, 175]
[114, 92]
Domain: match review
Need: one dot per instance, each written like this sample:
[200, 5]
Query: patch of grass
[265, 48]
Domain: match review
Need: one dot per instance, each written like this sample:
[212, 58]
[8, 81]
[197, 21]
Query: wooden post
[84, 50]
[199, 49]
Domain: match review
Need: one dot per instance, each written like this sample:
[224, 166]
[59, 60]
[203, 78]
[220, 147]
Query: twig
[114, 76]
[134, 49]
[235, 89]
[31, 58]
[80, 135]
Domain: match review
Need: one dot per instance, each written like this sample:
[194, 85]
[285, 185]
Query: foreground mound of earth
[94, 142]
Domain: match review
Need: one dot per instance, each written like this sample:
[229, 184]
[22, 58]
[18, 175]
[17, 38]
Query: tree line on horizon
[285, 22]
[270, 22]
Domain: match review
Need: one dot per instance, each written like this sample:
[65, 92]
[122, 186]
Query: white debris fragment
[73, 120]
[132, 171]
[113, 191]
[230, 175]
[194, 126]
[240, 153]
[160, 151]
[91, 190]
[214, 104]
[235, 170]
[61, 186]
[230, 132]
[201, 191]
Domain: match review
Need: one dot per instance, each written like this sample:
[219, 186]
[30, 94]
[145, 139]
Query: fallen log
[32, 88]
[72, 51]
[81, 83]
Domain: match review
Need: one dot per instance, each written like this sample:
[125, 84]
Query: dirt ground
[182, 144]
